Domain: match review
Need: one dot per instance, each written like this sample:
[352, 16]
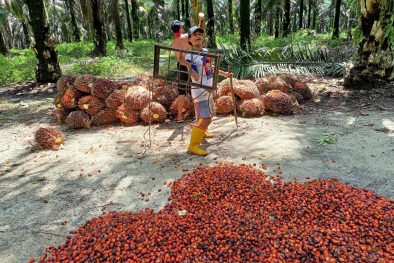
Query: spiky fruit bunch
[143, 80]
[303, 89]
[61, 115]
[58, 101]
[104, 117]
[70, 98]
[278, 101]
[289, 79]
[77, 120]
[90, 104]
[65, 82]
[127, 115]
[116, 99]
[155, 110]
[224, 87]
[297, 96]
[188, 106]
[102, 88]
[137, 97]
[224, 105]
[263, 85]
[165, 95]
[49, 138]
[123, 84]
[251, 108]
[246, 89]
[276, 83]
[84, 83]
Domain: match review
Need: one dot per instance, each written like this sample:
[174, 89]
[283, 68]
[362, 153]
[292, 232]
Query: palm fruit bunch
[143, 80]
[289, 79]
[303, 89]
[137, 97]
[102, 88]
[277, 83]
[90, 104]
[224, 105]
[126, 115]
[278, 101]
[65, 82]
[251, 108]
[263, 85]
[188, 106]
[123, 84]
[296, 96]
[49, 138]
[245, 89]
[58, 101]
[61, 115]
[155, 111]
[104, 117]
[224, 87]
[84, 83]
[165, 95]
[116, 99]
[77, 120]
[70, 98]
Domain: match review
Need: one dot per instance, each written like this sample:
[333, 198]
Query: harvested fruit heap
[234, 214]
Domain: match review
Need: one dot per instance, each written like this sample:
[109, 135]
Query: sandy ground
[110, 167]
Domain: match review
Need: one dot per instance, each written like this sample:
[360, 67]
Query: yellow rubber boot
[195, 141]
[206, 134]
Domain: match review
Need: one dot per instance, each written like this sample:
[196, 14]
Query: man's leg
[181, 103]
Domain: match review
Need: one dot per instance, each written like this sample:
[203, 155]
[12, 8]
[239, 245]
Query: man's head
[195, 34]
[176, 25]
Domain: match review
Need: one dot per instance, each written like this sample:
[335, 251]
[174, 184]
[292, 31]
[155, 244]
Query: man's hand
[226, 74]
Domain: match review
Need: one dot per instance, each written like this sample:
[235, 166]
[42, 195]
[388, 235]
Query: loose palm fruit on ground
[49, 138]
[102, 88]
[77, 120]
[127, 115]
[90, 104]
[156, 111]
[279, 102]
[251, 108]
[84, 83]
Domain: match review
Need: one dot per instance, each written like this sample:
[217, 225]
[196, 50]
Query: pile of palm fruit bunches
[86, 100]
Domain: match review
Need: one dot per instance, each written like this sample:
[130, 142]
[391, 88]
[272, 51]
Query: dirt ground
[110, 166]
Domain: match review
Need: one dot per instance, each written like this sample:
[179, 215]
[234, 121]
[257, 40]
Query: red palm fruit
[155, 110]
[251, 108]
[115, 99]
[58, 101]
[276, 83]
[104, 117]
[77, 120]
[303, 89]
[102, 88]
[49, 138]
[224, 105]
[70, 98]
[84, 83]
[263, 85]
[65, 82]
[127, 115]
[246, 89]
[224, 87]
[143, 80]
[279, 102]
[137, 97]
[90, 104]
[165, 95]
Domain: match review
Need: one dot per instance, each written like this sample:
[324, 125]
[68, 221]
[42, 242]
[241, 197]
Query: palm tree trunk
[277, 21]
[257, 18]
[178, 9]
[211, 26]
[26, 35]
[309, 13]
[99, 33]
[118, 28]
[244, 12]
[3, 47]
[230, 16]
[48, 69]
[70, 5]
[183, 10]
[301, 14]
[335, 32]
[134, 15]
[374, 64]
[130, 32]
[187, 16]
[286, 22]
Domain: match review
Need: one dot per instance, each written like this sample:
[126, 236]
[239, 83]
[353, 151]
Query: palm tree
[134, 15]
[244, 13]
[375, 60]
[70, 6]
[211, 25]
[286, 21]
[301, 14]
[335, 33]
[48, 69]
[114, 14]
[3, 16]
[230, 16]
[129, 30]
[99, 33]
[257, 17]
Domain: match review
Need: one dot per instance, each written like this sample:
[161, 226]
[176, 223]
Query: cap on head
[176, 25]
[194, 29]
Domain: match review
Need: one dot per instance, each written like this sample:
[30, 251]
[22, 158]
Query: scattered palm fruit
[263, 85]
[77, 120]
[65, 82]
[246, 89]
[232, 213]
[70, 98]
[49, 138]
[137, 97]
[165, 96]
[279, 102]
[251, 108]
[116, 99]
[90, 104]
[155, 111]
[224, 105]
[303, 89]
[127, 115]
[84, 83]
[102, 88]
[104, 117]
[277, 83]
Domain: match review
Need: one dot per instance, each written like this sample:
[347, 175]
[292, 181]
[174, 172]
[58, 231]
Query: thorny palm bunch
[297, 59]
